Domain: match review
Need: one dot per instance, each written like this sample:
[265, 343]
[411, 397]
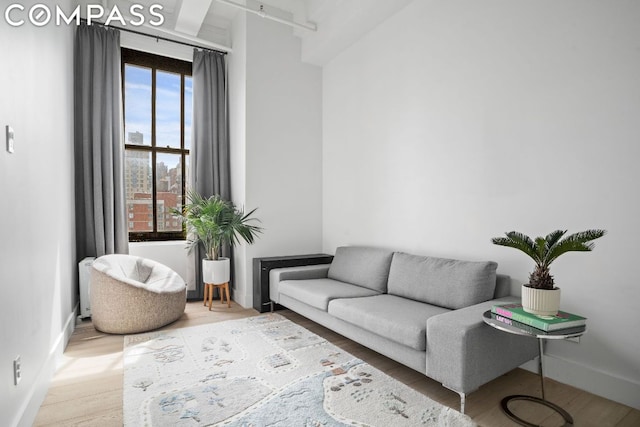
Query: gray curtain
[210, 143]
[101, 226]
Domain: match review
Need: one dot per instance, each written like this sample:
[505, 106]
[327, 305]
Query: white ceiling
[339, 22]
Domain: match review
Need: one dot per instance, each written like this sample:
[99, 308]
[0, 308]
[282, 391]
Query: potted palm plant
[540, 296]
[215, 222]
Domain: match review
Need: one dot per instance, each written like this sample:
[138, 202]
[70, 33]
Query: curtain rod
[140, 33]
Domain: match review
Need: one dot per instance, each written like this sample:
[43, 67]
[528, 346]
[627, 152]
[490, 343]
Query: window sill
[158, 243]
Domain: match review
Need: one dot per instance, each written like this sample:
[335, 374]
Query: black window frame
[184, 68]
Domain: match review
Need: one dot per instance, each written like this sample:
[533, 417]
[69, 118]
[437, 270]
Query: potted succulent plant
[540, 296]
[215, 222]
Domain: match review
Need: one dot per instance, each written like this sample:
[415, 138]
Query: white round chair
[130, 294]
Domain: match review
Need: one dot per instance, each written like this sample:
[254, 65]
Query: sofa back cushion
[362, 266]
[443, 282]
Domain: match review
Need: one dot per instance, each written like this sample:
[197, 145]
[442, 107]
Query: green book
[535, 331]
[561, 320]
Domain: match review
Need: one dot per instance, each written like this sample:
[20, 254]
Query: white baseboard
[38, 391]
[586, 378]
[246, 301]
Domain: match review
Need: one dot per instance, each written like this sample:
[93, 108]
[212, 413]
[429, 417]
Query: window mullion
[183, 158]
[154, 187]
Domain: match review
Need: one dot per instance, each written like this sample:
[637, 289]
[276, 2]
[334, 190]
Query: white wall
[454, 122]
[282, 136]
[157, 47]
[38, 274]
[237, 83]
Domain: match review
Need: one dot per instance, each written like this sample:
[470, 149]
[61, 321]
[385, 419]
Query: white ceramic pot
[542, 302]
[217, 271]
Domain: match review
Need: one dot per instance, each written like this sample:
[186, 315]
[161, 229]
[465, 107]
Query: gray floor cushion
[398, 319]
[130, 294]
[318, 292]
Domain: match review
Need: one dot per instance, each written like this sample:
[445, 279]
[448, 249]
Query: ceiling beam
[191, 16]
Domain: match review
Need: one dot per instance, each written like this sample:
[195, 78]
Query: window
[158, 101]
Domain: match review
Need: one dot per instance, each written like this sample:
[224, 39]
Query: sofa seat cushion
[362, 266]
[398, 319]
[448, 283]
[318, 292]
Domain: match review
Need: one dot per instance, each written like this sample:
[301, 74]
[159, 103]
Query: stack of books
[562, 322]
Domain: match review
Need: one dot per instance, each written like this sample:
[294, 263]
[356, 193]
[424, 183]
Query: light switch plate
[9, 139]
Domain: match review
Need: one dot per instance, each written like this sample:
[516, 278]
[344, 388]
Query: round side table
[507, 325]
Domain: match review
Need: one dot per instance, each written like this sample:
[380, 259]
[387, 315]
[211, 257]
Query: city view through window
[158, 116]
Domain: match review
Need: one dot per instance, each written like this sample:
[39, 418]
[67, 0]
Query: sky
[138, 108]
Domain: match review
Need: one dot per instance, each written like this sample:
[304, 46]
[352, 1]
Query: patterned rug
[263, 371]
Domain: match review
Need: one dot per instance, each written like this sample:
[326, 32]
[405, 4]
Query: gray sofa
[423, 312]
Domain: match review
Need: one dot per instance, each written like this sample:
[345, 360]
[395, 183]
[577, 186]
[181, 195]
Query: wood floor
[87, 388]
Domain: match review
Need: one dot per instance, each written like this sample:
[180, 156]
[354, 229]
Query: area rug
[263, 371]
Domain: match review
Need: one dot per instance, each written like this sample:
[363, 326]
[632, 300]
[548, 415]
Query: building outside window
[158, 100]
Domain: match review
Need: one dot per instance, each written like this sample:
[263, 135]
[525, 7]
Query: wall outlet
[9, 136]
[17, 370]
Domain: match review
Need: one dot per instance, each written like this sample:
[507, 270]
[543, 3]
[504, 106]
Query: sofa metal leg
[463, 397]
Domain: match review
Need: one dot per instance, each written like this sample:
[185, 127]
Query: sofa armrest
[464, 353]
[277, 275]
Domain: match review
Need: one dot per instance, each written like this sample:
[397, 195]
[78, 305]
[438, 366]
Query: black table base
[568, 420]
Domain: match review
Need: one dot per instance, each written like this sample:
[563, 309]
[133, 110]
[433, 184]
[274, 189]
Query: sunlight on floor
[84, 367]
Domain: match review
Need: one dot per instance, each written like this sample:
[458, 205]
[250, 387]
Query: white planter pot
[542, 302]
[216, 272]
